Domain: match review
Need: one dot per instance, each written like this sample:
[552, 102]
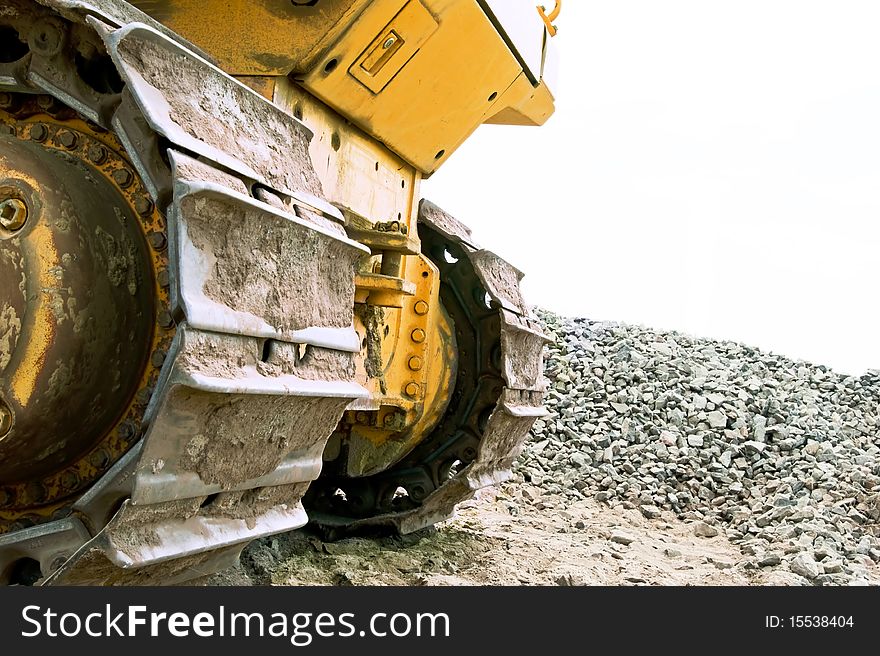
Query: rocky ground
[664, 460]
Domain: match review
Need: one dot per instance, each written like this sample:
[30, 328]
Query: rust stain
[24, 380]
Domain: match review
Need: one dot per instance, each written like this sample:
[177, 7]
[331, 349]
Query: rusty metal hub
[78, 309]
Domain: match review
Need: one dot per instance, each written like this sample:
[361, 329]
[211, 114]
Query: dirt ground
[510, 536]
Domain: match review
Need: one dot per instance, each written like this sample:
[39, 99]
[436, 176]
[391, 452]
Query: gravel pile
[780, 456]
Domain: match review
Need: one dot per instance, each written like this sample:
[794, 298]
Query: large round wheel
[80, 245]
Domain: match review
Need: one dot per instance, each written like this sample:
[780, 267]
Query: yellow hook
[552, 16]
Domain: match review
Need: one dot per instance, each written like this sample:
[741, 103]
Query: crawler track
[253, 357]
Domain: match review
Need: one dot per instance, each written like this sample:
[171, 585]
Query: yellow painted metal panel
[356, 172]
[438, 98]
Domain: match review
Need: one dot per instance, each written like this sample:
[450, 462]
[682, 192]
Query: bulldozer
[226, 311]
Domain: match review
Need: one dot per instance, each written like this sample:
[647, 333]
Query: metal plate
[226, 420]
[181, 96]
[244, 267]
[47, 543]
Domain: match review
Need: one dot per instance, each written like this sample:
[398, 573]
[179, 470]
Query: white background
[712, 167]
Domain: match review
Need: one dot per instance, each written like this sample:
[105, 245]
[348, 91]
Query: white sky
[713, 167]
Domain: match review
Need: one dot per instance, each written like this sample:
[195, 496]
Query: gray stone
[832, 566]
[779, 456]
[650, 511]
[704, 530]
[805, 565]
[717, 419]
[565, 580]
[759, 428]
[668, 438]
[620, 537]
[770, 560]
